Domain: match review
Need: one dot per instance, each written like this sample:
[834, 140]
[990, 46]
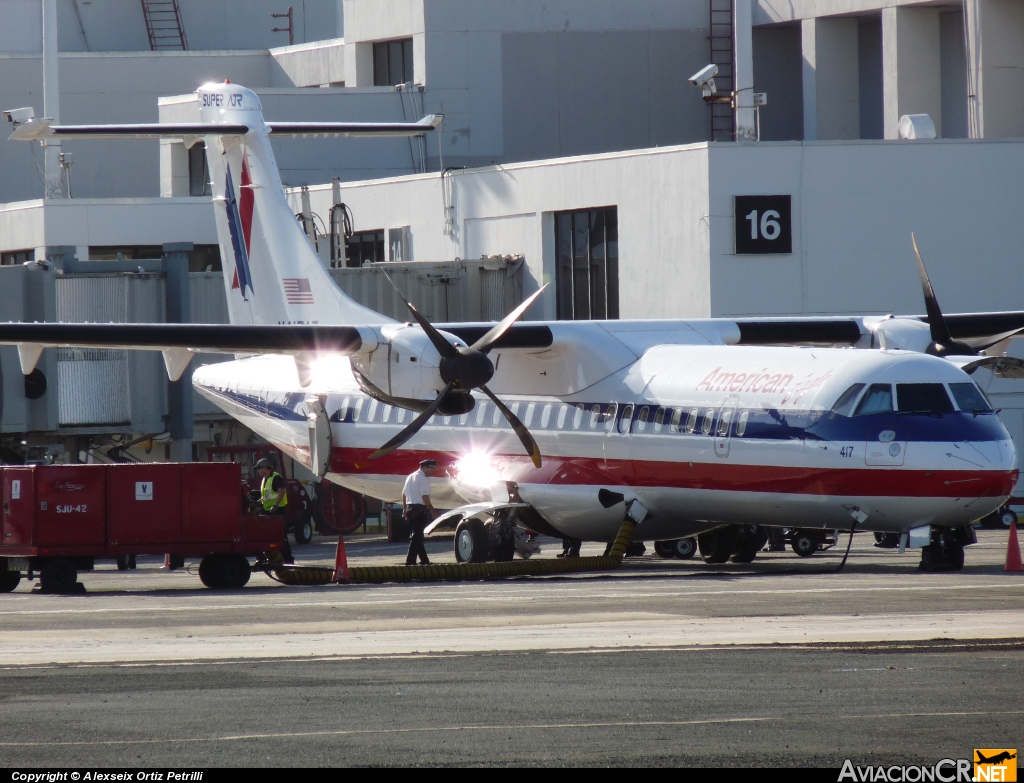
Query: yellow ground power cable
[453, 572]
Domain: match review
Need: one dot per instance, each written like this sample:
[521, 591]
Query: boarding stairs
[163, 23]
[723, 117]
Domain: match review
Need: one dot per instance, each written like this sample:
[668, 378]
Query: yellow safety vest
[269, 497]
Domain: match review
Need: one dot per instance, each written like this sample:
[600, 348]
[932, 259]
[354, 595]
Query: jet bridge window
[969, 397]
[844, 405]
[922, 398]
[877, 399]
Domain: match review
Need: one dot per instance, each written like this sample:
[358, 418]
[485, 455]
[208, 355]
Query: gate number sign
[763, 225]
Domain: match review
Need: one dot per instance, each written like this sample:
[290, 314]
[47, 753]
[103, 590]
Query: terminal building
[574, 151]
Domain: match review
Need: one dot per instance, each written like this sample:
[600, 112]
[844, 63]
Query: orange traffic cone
[1013, 562]
[341, 562]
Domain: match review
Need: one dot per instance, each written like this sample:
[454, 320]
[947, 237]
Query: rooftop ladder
[723, 117]
[163, 23]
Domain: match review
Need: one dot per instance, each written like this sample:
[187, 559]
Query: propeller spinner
[463, 369]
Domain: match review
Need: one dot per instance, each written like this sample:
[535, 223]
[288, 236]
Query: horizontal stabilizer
[365, 129]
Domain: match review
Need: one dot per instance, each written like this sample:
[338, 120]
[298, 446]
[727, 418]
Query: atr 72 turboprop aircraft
[715, 426]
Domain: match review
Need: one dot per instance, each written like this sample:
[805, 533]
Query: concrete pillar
[743, 69]
[179, 310]
[995, 29]
[831, 79]
[911, 66]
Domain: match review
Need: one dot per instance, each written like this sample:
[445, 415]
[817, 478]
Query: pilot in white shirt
[418, 510]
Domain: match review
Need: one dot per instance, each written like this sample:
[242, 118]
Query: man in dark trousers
[418, 510]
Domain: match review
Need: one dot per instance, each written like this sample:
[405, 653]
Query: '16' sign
[764, 225]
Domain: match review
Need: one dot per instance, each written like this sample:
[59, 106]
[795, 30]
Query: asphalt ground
[781, 662]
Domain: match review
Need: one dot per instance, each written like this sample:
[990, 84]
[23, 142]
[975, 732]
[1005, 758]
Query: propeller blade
[414, 427]
[520, 429]
[492, 336]
[936, 323]
[443, 347]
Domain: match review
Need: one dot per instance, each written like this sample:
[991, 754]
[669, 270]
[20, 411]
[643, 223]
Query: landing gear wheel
[471, 542]
[685, 548]
[9, 580]
[887, 540]
[58, 576]
[716, 546]
[665, 549]
[957, 557]
[804, 544]
[1007, 517]
[746, 551]
[303, 531]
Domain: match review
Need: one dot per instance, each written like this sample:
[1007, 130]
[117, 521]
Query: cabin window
[528, 419]
[545, 416]
[741, 423]
[627, 419]
[400, 415]
[609, 417]
[877, 399]
[514, 407]
[641, 419]
[463, 418]
[723, 423]
[496, 417]
[969, 397]
[677, 415]
[562, 412]
[385, 414]
[357, 409]
[446, 420]
[691, 421]
[371, 410]
[343, 410]
[844, 405]
[481, 414]
[659, 419]
[709, 421]
[577, 417]
[922, 398]
[595, 414]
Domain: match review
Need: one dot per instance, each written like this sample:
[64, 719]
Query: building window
[392, 62]
[365, 247]
[587, 247]
[198, 171]
[17, 257]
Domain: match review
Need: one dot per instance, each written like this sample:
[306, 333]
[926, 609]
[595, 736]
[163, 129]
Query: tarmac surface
[664, 662]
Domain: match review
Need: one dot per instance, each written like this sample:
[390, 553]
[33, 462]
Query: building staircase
[163, 23]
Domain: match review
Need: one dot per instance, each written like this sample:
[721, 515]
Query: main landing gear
[477, 541]
[946, 551]
[681, 548]
[736, 543]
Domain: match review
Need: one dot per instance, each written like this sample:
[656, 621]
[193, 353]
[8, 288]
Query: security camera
[705, 79]
[18, 116]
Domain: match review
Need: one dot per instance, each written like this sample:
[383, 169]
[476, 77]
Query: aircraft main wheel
[716, 546]
[58, 576]
[746, 551]
[9, 580]
[1007, 517]
[804, 544]
[471, 542]
[303, 531]
[665, 549]
[956, 556]
[685, 548]
[887, 540]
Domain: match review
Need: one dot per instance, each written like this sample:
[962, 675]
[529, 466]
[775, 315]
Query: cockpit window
[922, 398]
[844, 405]
[969, 397]
[877, 399]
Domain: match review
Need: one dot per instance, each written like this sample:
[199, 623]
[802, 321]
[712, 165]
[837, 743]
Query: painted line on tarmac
[461, 599]
[500, 727]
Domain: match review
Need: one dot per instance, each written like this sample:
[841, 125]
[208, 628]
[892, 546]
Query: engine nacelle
[405, 364]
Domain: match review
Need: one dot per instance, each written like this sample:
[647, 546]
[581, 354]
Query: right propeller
[943, 343]
[463, 369]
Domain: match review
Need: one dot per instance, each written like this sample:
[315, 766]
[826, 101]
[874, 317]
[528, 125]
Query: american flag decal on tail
[297, 290]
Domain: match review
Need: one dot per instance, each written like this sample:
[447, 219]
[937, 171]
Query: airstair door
[319, 436]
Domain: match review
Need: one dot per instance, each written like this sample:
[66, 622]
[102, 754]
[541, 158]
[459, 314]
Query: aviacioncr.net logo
[945, 771]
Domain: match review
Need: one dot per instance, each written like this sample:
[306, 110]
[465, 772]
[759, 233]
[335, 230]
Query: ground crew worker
[273, 493]
[418, 510]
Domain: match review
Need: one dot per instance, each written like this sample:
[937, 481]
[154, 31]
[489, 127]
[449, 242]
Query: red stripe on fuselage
[845, 482]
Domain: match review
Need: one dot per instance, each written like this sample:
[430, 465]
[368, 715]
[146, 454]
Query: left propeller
[464, 368]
